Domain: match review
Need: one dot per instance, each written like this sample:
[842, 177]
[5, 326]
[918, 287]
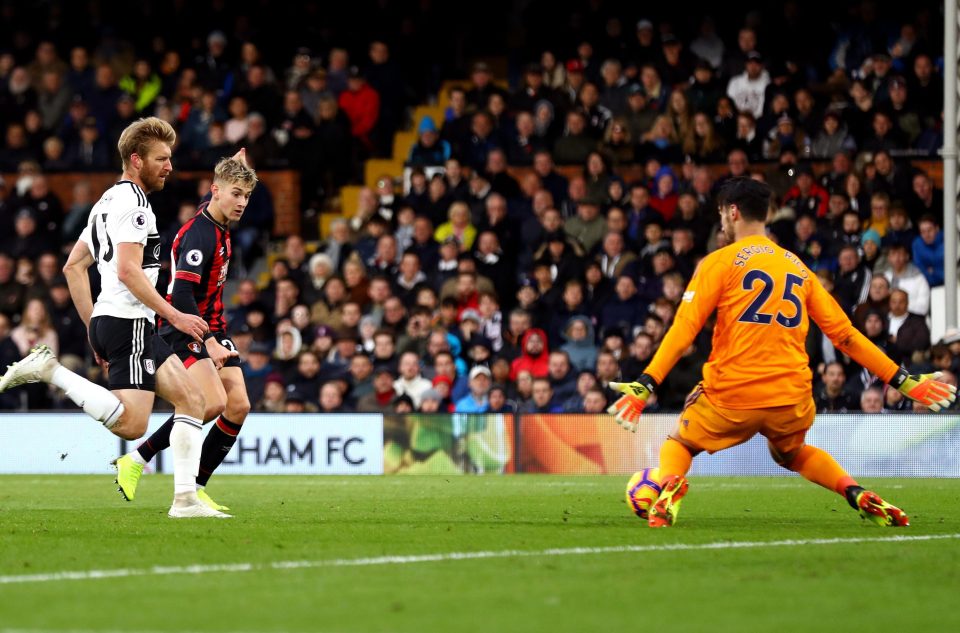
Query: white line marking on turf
[99, 574]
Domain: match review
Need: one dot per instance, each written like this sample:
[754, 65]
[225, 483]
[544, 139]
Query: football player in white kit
[121, 238]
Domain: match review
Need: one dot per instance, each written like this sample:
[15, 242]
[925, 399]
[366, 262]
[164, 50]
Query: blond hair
[139, 135]
[234, 171]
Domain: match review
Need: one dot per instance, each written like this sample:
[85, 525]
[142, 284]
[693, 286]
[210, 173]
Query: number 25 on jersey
[767, 287]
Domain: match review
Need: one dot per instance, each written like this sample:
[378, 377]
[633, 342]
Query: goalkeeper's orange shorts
[704, 426]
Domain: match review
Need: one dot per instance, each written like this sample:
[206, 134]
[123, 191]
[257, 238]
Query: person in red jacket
[806, 197]
[361, 103]
[534, 354]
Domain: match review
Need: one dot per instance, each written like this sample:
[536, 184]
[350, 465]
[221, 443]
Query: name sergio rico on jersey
[201, 256]
[123, 214]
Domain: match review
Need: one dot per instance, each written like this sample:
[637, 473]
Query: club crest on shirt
[194, 257]
[194, 347]
[140, 221]
[148, 365]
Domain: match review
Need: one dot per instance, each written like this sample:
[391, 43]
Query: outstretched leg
[817, 465]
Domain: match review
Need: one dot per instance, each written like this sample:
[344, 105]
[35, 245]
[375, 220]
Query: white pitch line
[99, 574]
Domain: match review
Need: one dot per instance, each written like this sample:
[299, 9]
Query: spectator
[853, 280]
[832, 138]
[833, 396]
[90, 152]
[410, 381]
[35, 328]
[331, 399]
[878, 300]
[541, 400]
[380, 399]
[457, 226]
[477, 401]
[928, 251]
[533, 355]
[562, 376]
[588, 226]
[625, 308]
[904, 275]
[274, 395]
[871, 400]
[576, 143]
[361, 103]
[429, 149]
[909, 335]
[747, 89]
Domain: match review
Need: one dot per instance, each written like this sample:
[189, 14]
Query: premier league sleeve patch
[194, 257]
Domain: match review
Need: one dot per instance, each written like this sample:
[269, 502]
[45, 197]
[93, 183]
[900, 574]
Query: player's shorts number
[228, 344]
[753, 315]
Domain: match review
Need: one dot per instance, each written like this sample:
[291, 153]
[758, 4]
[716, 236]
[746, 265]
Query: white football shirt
[123, 214]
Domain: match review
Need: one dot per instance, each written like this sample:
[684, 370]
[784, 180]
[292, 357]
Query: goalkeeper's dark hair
[751, 196]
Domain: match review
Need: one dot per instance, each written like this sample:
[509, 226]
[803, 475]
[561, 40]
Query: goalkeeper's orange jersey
[763, 295]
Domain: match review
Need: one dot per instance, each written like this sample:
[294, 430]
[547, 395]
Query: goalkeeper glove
[627, 409]
[925, 389]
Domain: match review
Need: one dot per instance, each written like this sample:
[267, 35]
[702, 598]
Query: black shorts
[132, 348]
[190, 351]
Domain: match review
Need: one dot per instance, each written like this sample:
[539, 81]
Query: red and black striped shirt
[201, 256]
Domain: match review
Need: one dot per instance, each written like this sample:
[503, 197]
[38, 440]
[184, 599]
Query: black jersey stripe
[141, 200]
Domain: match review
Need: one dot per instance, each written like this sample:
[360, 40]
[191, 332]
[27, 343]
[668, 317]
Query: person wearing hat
[676, 67]
[429, 149]
[748, 88]
[477, 400]
[89, 152]
[877, 76]
[874, 259]
[643, 49]
[588, 226]
[274, 394]
[431, 402]
[567, 94]
[482, 86]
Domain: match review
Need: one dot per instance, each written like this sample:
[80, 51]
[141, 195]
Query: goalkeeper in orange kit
[757, 379]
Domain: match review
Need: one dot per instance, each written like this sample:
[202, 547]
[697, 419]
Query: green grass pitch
[426, 554]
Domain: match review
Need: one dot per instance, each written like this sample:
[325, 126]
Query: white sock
[97, 402]
[186, 440]
[137, 457]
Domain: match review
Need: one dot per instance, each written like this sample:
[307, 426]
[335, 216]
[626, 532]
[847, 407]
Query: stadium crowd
[492, 281]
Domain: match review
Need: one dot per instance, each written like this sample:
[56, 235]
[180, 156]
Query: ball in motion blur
[643, 490]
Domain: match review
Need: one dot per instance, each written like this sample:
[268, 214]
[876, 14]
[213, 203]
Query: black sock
[851, 494]
[157, 442]
[217, 444]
